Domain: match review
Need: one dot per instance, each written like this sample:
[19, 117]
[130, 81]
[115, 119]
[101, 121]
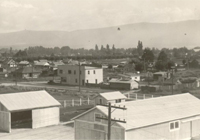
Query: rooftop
[27, 100]
[155, 110]
[113, 95]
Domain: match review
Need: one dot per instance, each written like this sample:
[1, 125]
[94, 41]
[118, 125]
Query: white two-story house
[73, 74]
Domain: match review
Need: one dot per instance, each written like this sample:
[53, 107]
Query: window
[118, 101]
[87, 81]
[99, 127]
[69, 71]
[74, 72]
[61, 71]
[88, 72]
[174, 125]
[94, 71]
[95, 117]
[76, 80]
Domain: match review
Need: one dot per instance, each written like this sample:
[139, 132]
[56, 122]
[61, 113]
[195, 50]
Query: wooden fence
[79, 102]
[136, 96]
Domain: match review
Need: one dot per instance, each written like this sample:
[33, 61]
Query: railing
[79, 102]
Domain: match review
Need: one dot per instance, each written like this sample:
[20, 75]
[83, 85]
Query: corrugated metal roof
[156, 110]
[27, 100]
[113, 95]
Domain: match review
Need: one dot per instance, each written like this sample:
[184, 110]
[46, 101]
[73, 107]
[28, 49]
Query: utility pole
[172, 68]
[79, 65]
[109, 119]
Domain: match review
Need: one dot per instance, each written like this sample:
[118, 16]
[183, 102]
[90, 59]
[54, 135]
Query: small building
[175, 117]
[110, 97]
[73, 74]
[160, 76]
[23, 63]
[123, 84]
[133, 76]
[27, 72]
[32, 109]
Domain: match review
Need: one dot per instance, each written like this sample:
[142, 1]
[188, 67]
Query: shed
[123, 84]
[112, 97]
[32, 109]
[175, 117]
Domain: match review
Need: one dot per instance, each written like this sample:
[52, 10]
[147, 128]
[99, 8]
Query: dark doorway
[21, 119]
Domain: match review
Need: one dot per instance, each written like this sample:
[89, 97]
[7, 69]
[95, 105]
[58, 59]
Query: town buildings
[73, 74]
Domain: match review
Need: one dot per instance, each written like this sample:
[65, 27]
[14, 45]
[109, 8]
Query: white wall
[5, 121]
[45, 117]
[93, 76]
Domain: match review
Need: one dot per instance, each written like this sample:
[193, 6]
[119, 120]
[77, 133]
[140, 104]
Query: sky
[70, 15]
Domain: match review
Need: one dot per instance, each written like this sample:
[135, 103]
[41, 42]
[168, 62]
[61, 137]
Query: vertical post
[172, 83]
[191, 129]
[143, 96]
[136, 96]
[88, 101]
[151, 96]
[72, 102]
[109, 121]
[64, 103]
[80, 102]
[79, 76]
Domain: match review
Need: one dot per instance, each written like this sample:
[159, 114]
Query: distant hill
[158, 35]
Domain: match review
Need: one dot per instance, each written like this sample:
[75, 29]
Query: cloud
[12, 4]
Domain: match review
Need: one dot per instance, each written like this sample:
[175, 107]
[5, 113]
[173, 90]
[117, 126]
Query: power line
[110, 119]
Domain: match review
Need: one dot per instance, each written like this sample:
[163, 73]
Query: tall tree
[162, 57]
[148, 55]
[140, 48]
[96, 48]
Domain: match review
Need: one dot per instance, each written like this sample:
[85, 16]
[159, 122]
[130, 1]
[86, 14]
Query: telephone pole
[109, 119]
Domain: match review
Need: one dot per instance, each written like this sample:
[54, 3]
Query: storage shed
[28, 110]
[175, 117]
[112, 97]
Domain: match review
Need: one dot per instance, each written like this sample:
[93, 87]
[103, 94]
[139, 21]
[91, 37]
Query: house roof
[27, 100]
[121, 81]
[113, 95]
[153, 111]
[42, 63]
[27, 70]
[23, 62]
[160, 73]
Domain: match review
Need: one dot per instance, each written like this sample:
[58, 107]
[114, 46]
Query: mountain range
[158, 35]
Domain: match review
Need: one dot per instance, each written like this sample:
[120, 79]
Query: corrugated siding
[45, 117]
[27, 100]
[5, 121]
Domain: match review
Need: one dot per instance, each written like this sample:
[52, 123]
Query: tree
[162, 57]
[170, 64]
[184, 61]
[140, 48]
[194, 64]
[96, 48]
[139, 66]
[148, 55]
[160, 66]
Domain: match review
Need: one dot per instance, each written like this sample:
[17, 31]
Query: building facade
[174, 117]
[73, 74]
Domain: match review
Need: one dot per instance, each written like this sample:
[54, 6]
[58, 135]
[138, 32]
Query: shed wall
[45, 117]
[160, 131]
[5, 121]
[84, 128]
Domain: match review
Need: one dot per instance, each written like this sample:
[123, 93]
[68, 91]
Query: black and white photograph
[99, 69]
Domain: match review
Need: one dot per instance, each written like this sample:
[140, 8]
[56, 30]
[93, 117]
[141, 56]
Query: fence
[80, 102]
[136, 96]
